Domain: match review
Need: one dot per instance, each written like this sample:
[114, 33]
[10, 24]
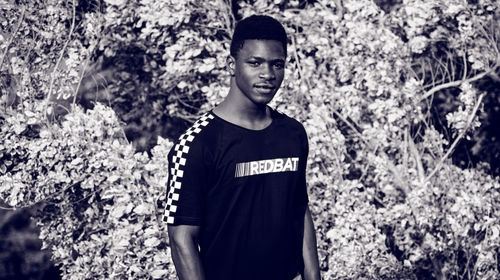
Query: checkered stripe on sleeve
[176, 166]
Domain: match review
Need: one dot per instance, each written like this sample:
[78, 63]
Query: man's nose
[267, 72]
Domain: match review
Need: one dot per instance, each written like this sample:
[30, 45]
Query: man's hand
[185, 254]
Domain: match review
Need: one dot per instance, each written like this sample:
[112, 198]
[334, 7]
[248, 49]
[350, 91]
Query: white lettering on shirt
[266, 166]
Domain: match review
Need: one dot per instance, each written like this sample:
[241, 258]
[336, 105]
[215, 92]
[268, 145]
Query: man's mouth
[264, 87]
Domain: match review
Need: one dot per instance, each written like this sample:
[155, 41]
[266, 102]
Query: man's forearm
[187, 260]
[309, 250]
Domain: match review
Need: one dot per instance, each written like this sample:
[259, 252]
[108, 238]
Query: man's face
[259, 68]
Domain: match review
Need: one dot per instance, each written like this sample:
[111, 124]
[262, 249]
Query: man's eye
[279, 65]
[254, 63]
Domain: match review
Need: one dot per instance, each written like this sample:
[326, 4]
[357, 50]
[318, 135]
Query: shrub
[386, 200]
[97, 196]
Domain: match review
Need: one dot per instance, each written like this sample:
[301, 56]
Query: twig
[61, 55]
[297, 61]
[12, 36]
[335, 155]
[459, 137]
[350, 125]
[465, 66]
[405, 148]
[391, 167]
[228, 16]
[418, 159]
[493, 40]
[339, 5]
[80, 81]
[452, 64]
[457, 83]
[389, 164]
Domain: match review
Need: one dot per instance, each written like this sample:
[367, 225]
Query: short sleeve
[188, 174]
[301, 197]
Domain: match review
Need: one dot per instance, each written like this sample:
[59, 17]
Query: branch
[228, 16]
[389, 164]
[80, 81]
[350, 125]
[459, 137]
[465, 66]
[72, 28]
[297, 62]
[12, 37]
[457, 83]
[418, 159]
[492, 39]
[340, 8]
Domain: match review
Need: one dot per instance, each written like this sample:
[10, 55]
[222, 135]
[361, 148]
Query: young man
[237, 205]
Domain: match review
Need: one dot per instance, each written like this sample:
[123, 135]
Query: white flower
[418, 44]
[453, 9]
[152, 242]
[142, 209]
[159, 273]
[116, 2]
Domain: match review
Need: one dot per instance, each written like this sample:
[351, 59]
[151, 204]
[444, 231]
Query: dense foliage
[362, 77]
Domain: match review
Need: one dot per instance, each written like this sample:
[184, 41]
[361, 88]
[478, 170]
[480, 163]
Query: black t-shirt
[246, 189]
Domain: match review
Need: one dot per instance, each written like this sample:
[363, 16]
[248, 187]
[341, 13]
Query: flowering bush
[387, 202]
[166, 68]
[97, 196]
[360, 79]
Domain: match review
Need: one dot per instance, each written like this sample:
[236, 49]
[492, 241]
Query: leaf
[159, 273]
[135, 269]
[19, 128]
[113, 178]
[76, 161]
[152, 242]
[495, 232]
[477, 226]
[118, 212]
[142, 209]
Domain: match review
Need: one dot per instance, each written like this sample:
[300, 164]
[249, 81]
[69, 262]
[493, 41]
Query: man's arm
[185, 253]
[309, 250]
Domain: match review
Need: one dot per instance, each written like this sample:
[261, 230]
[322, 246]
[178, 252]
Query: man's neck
[246, 114]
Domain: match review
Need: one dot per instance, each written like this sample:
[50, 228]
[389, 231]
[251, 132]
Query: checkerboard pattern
[176, 174]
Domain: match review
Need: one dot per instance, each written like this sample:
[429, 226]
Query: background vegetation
[400, 100]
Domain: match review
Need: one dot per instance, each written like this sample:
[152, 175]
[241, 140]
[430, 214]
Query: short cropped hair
[257, 27]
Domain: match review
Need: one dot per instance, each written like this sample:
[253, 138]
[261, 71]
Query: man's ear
[231, 64]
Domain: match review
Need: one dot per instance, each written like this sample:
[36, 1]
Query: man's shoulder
[197, 135]
[289, 121]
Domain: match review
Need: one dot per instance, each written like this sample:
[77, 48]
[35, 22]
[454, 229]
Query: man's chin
[263, 100]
